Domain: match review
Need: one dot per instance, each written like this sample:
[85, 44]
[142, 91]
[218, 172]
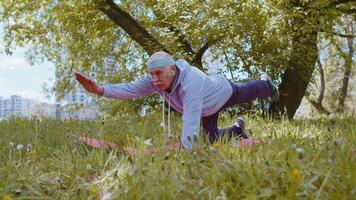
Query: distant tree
[349, 28]
[318, 104]
[335, 72]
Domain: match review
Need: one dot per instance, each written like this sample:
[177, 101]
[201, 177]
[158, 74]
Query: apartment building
[16, 106]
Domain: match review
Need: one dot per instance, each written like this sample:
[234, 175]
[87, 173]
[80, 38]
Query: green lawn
[301, 159]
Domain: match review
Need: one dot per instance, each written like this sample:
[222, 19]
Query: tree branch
[318, 104]
[183, 41]
[336, 3]
[131, 26]
[229, 65]
[143, 38]
[319, 107]
[198, 56]
[316, 4]
[322, 82]
[347, 11]
[343, 35]
[161, 16]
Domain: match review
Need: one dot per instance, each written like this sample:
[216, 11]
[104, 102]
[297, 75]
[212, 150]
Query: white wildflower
[11, 144]
[148, 142]
[300, 150]
[19, 147]
[28, 148]
[110, 181]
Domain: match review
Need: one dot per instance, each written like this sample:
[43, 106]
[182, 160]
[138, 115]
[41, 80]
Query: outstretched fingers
[81, 78]
[87, 83]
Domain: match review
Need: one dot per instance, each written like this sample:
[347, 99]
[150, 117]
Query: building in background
[78, 104]
[111, 66]
[79, 111]
[18, 106]
[2, 115]
[43, 110]
[78, 96]
[25, 107]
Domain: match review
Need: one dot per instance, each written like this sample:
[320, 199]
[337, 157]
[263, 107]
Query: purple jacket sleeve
[192, 109]
[131, 90]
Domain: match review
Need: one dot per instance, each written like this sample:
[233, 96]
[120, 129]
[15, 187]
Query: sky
[18, 77]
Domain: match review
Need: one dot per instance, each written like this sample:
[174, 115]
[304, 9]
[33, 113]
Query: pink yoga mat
[99, 144]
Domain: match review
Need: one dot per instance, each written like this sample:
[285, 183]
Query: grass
[301, 159]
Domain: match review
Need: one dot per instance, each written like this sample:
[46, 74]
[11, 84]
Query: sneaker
[240, 123]
[274, 89]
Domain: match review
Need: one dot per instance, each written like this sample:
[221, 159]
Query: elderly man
[190, 92]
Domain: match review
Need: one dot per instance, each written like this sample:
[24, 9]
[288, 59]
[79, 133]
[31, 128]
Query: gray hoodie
[193, 93]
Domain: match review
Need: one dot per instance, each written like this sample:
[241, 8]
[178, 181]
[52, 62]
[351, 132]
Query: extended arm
[131, 90]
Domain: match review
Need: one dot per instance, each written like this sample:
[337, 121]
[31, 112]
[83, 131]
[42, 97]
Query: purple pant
[241, 93]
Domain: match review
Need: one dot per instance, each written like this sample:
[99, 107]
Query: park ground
[298, 159]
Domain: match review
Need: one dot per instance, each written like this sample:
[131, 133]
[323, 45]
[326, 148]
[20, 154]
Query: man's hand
[89, 84]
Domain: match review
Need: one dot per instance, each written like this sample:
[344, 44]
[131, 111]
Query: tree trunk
[345, 81]
[296, 78]
[302, 62]
[322, 82]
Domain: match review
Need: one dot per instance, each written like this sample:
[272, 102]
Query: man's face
[162, 77]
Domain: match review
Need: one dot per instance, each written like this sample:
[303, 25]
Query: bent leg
[247, 92]
[210, 125]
